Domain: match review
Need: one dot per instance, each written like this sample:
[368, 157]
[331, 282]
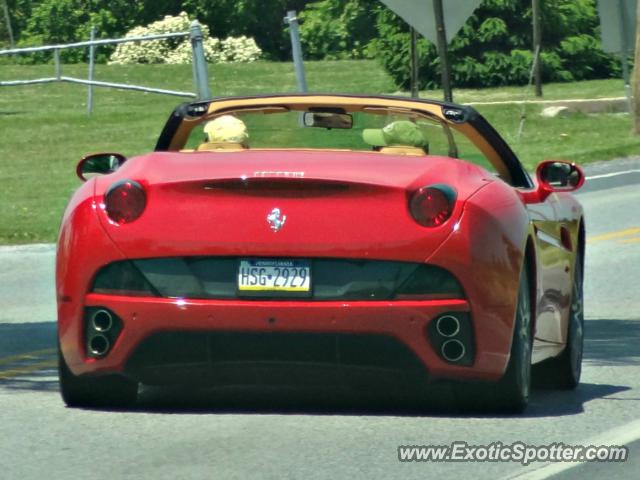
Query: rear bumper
[405, 322]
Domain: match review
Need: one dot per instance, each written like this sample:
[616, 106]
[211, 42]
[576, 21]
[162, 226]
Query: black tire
[563, 372]
[512, 391]
[105, 391]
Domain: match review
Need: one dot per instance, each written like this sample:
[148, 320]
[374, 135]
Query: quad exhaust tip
[99, 345]
[448, 326]
[452, 350]
[102, 321]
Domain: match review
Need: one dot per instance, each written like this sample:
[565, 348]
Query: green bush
[258, 19]
[19, 13]
[494, 46]
[65, 21]
[38, 22]
[337, 29]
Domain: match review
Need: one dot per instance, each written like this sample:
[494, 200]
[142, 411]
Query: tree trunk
[7, 20]
[537, 47]
[636, 76]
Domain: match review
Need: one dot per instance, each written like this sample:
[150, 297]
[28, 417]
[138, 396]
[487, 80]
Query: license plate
[274, 276]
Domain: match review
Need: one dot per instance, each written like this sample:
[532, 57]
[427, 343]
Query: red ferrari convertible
[269, 237]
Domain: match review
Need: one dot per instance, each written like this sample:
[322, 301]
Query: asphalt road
[266, 433]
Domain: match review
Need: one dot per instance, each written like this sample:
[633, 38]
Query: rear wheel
[564, 371]
[512, 391]
[105, 391]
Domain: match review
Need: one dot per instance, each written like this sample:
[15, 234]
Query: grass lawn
[44, 129]
[553, 91]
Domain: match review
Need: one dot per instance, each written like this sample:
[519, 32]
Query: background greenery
[493, 48]
[37, 22]
[354, 46]
[45, 129]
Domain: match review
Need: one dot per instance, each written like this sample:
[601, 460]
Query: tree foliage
[64, 21]
[38, 22]
[334, 29]
[262, 20]
[19, 12]
[492, 48]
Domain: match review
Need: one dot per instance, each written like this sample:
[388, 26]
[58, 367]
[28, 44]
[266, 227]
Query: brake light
[431, 206]
[125, 201]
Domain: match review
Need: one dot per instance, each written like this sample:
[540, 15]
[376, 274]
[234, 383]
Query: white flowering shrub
[178, 50]
[239, 49]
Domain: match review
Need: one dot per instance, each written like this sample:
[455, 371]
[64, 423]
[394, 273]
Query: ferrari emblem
[276, 220]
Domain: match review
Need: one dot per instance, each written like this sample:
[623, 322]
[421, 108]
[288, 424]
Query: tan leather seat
[220, 147]
[402, 150]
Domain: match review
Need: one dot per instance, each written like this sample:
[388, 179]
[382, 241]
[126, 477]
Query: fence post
[200, 72]
[296, 49]
[56, 63]
[92, 68]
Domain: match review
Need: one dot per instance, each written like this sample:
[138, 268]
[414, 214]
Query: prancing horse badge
[276, 219]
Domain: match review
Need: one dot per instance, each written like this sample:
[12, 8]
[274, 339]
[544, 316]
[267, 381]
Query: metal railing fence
[200, 71]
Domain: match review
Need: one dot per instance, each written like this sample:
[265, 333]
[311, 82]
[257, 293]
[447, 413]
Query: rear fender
[83, 247]
[486, 252]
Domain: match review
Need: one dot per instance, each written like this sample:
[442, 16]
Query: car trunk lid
[286, 204]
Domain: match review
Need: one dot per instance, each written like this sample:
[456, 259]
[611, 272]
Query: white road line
[28, 248]
[614, 174]
[622, 435]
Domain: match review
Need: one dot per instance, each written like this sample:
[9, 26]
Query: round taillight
[431, 206]
[125, 201]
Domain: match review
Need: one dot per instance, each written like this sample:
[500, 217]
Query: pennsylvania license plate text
[274, 275]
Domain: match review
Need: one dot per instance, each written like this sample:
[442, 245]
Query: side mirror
[558, 176]
[99, 164]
